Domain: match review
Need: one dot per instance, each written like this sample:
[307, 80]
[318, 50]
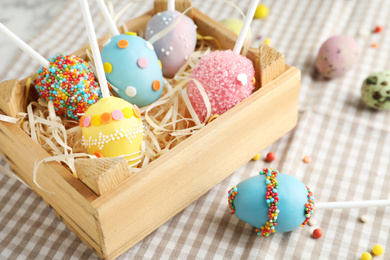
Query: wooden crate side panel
[147, 200]
[72, 199]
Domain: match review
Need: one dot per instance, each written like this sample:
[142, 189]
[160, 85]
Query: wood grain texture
[102, 174]
[12, 97]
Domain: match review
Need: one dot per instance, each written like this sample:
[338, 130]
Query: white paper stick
[171, 5]
[245, 27]
[94, 47]
[106, 14]
[24, 46]
[352, 204]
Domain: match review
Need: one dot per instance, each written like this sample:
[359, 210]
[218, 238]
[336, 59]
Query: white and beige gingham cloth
[349, 145]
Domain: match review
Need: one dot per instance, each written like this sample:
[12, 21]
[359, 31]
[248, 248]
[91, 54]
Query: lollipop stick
[110, 22]
[26, 48]
[171, 5]
[245, 27]
[352, 204]
[94, 47]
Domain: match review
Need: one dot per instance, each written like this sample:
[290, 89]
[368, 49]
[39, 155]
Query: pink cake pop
[226, 76]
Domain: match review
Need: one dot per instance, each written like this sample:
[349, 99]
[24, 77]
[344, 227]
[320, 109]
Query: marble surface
[26, 18]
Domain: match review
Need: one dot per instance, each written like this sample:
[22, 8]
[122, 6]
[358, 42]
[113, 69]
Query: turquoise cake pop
[272, 202]
[131, 65]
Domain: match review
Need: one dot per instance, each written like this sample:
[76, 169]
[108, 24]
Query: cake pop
[176, 43]
[112, 127]
[131, 65]
[66, 80]
[275, 202]
[226, 76]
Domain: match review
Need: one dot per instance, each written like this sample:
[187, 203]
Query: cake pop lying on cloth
[175, 45]
[275, 202]
[112, 127]
[66, 80]
[226, 76]
[131, 65]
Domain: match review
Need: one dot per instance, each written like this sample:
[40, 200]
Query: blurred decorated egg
[234, 24]
[376, 90]
[132, 69]
[113, 128]
[337, 55]
[173, 48]
[272, 202]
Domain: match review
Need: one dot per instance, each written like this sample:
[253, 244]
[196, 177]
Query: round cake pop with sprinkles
[66, 80]
[174, 46]
[132, 69]
[69, 83]
[226, 76]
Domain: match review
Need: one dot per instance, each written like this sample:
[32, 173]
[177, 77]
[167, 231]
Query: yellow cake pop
[112, 127]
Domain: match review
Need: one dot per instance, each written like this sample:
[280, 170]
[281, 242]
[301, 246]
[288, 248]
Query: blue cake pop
[272, 202]
[132, 69]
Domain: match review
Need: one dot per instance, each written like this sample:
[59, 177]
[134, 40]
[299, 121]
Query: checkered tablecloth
[348, 143]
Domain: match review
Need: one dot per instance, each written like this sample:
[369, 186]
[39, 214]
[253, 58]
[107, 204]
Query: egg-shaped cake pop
[111, 128]
[227, 78]
[69, 83]
[376, 90]
[272, 202]
[337, 56]
[174, 48]
[132, 69]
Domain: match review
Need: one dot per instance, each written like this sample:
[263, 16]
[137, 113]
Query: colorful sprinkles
[309, 207]
[106, 118]
[232, 193]
[272, 201]
[70, 84]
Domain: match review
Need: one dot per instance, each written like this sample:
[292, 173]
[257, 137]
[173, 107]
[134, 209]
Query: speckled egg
[337, 56]
[376, 90]
[290, 197]
[174, 48]
[132, 69]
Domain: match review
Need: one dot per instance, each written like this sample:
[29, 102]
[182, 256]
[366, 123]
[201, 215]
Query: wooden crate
[112, 223]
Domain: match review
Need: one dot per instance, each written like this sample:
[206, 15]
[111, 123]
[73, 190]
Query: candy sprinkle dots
[307, 159]
[377, 250]
[261, 11]
[366, 256]
[364, 218]
[257, 157]
[270, 157]
[317, 233]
